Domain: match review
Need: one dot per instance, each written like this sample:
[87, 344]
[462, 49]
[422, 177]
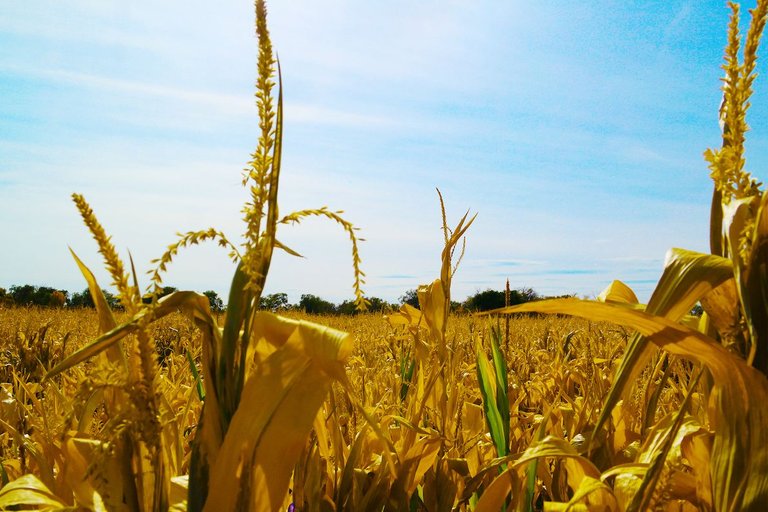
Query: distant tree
[23, 295]
[29, 295]
[81, 299]
[483, 301]
[563, 296]
[214, 301]
[274, 301]
[58, 298]
[166, 290]
[377, 305]
[44, 295]
[524, 295]
[315, 305]
[347, 308]
[84, 300]
[411, 298]
[5, 298]
[493, 299]
[112, 300]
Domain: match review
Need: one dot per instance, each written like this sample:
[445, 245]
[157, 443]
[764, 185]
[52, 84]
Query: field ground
[559, 370]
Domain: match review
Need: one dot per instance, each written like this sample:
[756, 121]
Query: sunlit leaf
[106, 320]
[279, 403]
[739, 465]
[196, 304]
[618, 292]
[687, 277]
[28, 493]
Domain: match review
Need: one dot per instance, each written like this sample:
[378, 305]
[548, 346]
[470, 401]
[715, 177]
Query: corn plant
[264, 377]
[729, 342]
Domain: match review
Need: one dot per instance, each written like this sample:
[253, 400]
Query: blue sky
[574, 129]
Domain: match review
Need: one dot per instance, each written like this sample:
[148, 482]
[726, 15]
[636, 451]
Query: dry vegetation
[167, 405]
[560, 370]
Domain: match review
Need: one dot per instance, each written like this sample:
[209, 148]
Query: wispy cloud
[229, 104]
[573, 272]
[507, 263]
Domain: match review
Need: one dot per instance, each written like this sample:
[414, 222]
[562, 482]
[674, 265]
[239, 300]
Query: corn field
[555, 405]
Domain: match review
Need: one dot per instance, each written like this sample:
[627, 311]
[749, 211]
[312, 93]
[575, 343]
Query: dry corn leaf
[739, 463]
[279, 403]
[751, 269]
[722, 306]
[28, 493]
[495, 495]
[414, 464]
[598, 495]
[687, 277]
[696, 447]
[618, 292]
[106, 320]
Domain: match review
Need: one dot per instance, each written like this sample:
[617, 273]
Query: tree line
[45, 296]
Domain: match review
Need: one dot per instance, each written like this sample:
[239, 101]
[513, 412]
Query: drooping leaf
[28, 493]
[739, 463]
[278, 406]
[687, 277]
[618, 292]
[495, 495]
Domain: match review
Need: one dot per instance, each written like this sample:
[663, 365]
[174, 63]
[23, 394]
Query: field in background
[559, 368]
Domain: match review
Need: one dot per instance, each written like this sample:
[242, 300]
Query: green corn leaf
[502, 387]
[196, 375]
[526, 503]
[493, 417]
[229, 380]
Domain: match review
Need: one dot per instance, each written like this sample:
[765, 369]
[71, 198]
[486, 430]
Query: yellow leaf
[278, 405]
[417, 461]
[722, 306]
[407, 316]
[29, 493]
[434, 308]
[596, 494]
[494, 496]
[577, 467]
[179, 489]
[106, 321]
[618, 292]
[696, 447]
[737, 411]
